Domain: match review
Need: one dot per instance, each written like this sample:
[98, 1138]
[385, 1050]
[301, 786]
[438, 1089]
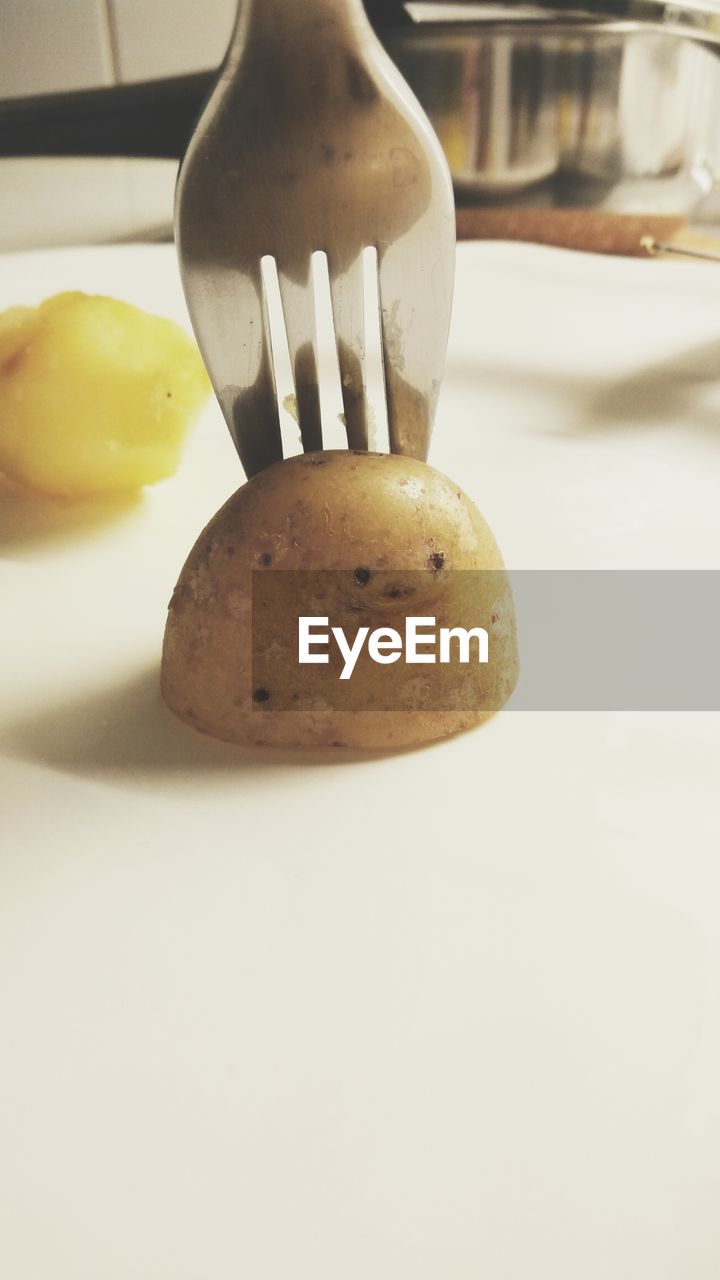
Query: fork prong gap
[298, 306]
[331, 402]
[379, 437]
[348, 305]
[282, 372]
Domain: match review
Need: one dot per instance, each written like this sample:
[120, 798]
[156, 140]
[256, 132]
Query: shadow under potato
[668, 393]
[126, 733]
[30, 520]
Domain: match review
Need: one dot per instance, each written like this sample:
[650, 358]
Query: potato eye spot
[265, 559]
[261, 695]
[437, 561]
[362, 576]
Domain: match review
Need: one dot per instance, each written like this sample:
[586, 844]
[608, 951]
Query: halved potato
[361, 540]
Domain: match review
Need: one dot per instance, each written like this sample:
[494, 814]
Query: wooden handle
[592, 230]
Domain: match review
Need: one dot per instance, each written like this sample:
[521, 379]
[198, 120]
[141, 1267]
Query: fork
[311, 140]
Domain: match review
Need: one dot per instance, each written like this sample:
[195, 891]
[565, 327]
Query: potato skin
[335, 510]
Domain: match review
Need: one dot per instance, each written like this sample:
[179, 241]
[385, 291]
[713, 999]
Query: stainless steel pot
[593, 110]
[493, 100]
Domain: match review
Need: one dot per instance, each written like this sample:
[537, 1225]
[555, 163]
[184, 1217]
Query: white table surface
[453, 1013]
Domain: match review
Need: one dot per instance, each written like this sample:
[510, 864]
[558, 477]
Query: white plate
[450, 1014]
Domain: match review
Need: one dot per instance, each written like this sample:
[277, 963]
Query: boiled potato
[12, 324]
[95, 395]
[371, 540]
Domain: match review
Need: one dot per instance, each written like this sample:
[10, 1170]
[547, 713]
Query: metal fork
[311, 140]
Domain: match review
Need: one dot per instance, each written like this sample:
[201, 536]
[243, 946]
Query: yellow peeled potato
[12, 325]
[95, 395]
[359, 538]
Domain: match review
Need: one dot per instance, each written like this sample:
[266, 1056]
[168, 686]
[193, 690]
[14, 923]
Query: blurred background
[66, 138]
[583, 125]
[48, 46]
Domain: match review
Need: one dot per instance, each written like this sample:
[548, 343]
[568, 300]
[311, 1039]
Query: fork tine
[414, 341]
[298, 304]
[232, 308]
[348, 304]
